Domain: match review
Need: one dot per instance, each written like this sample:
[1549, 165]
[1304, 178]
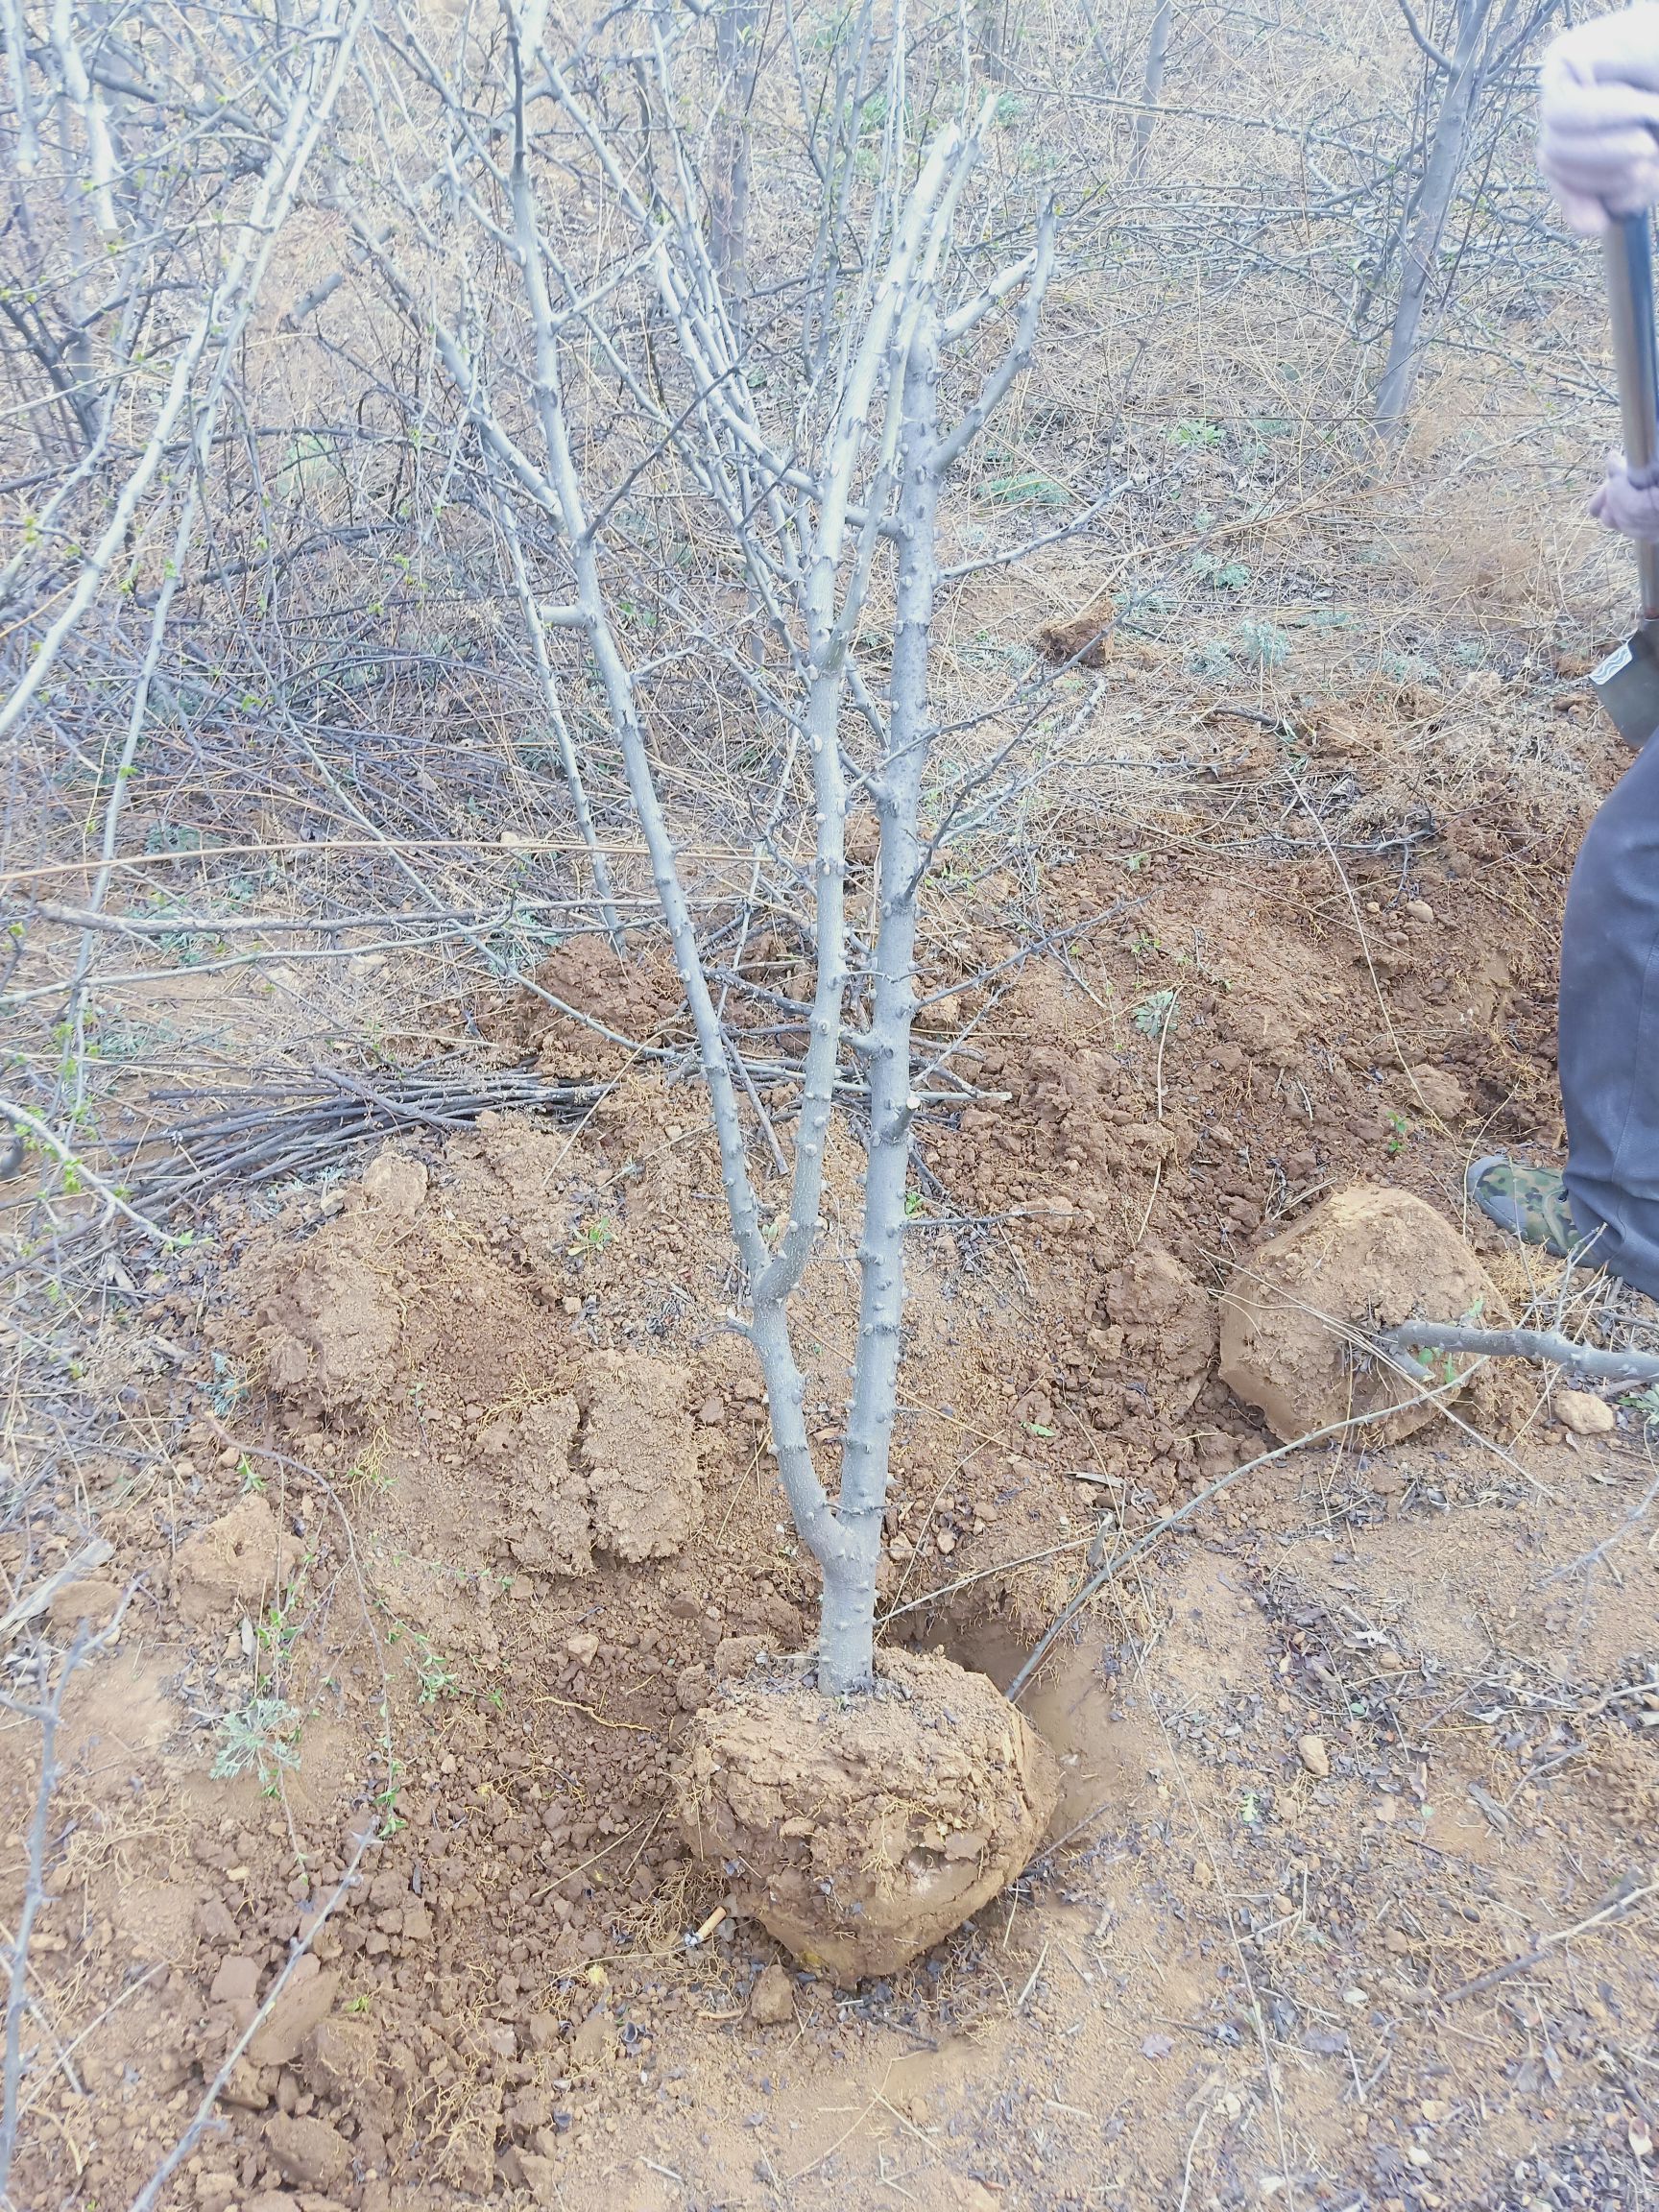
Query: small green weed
[432, 1673]
[262, 1738]
[1028, 489]
[1219, 573]
[435, 1678]
[1137, 601]
[1155, 1016]
[1409, 668]
[370, 1472]
[384, 1798]
[1263, 644]
[228, 1390]
[281, 1626]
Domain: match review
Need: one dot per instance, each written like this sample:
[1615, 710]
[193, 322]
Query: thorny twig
[1627, 1896]
[1104, 1572]
[1538, 1344]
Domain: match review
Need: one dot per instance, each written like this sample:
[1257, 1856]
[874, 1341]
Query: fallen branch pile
[266, 1132]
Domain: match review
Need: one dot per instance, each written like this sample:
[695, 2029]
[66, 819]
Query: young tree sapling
[820, 506]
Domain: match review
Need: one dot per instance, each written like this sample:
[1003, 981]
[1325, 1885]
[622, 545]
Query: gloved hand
[1624, 504]
[1598, 118]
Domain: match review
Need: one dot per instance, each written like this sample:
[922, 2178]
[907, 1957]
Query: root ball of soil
[1295, 1314]
[864, 1831]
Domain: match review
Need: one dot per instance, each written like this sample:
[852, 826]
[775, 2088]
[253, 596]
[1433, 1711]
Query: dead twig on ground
[296, 1129]
[1104, 1571]
[149, 2195]
[47, 1713]
[1623, 1899]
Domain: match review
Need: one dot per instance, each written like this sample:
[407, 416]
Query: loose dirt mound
[532, 1450]
[232, 1562]
[640, 1457]
[1294, 1319]
[1085, 637]
[328, 1328]
[862, 1832]
[638, 1001]
[486, 1429]
[1163, 1330]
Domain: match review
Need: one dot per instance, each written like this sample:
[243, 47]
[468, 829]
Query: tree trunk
[990, 28]
[736, 51]
[847, 1632]
[1152, 81]
[1447, 149]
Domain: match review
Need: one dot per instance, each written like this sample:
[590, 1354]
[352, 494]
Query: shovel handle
[1627, 247]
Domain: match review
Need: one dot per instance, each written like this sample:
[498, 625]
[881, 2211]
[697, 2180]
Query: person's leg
[1609, 1029]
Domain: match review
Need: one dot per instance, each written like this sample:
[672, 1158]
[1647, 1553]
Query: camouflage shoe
[1528, 1202]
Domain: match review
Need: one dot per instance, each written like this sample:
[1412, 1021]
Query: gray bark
[847, 1631]
[810, 525]
[568, 762]
[1544, 1344]
[1152, 81]
[737, 54]
[1448, 150]
[991, 39]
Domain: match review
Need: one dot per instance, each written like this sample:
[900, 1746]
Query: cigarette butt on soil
[709, 1924]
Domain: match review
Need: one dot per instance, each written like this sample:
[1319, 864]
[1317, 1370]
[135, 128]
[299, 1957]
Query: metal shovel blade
[1628, 685]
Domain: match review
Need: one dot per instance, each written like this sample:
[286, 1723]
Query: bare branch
[1547, 1345]
[1441, 60]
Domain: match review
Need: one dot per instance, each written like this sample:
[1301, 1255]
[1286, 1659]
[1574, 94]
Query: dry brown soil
[451, 1482]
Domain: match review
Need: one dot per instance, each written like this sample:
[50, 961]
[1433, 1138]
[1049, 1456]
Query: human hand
[1621, 502]
[1598, 118]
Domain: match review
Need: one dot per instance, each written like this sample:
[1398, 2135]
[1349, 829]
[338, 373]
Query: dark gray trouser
[1609, 1029]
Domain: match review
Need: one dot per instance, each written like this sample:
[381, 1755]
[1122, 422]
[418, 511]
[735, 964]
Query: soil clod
[230, 1564]
[1584, 1413]
[1313, 1755]
[308, 2151]
[772, 2000]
